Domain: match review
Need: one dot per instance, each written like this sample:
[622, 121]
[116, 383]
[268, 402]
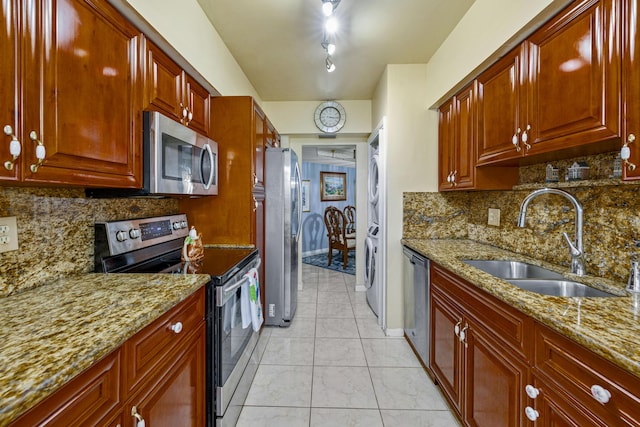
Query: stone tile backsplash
[611, 224]
[55, 232]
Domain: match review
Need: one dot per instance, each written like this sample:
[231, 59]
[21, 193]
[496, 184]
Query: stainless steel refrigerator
[282, 225]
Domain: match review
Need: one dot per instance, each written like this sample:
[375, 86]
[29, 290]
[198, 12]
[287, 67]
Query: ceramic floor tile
[276, 385]
[334, 310]
[363, 311]
[289, 351]
[339, 352]
[307, 297]
[369, 328]
[396, 418]
[329, 417]
[389, 352]
[336, 328]
[301, 327]
[342, 387]
[333, 298]
[261, 416]
[333, 286]
[405, 388]
[306, 309]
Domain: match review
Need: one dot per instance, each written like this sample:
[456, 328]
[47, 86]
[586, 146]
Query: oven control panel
[129, 235]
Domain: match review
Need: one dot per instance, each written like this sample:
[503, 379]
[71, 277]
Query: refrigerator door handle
[298, 205]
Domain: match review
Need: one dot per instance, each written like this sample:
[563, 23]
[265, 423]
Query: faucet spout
[575, 248]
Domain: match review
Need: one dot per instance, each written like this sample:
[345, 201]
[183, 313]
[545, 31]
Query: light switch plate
[8, 234]
[494, 217]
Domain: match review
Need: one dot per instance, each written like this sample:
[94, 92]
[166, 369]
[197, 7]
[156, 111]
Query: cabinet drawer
[508, 325]
[575, 370]
[144, 352]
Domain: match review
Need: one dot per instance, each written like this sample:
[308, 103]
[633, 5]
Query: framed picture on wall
[333, 186]
[304, 190]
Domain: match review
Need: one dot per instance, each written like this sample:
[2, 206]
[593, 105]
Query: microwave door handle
[207, 183]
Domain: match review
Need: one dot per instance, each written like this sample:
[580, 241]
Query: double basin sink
[536, 279]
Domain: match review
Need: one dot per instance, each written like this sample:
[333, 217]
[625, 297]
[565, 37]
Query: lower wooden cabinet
[171, 392]
[498, 367]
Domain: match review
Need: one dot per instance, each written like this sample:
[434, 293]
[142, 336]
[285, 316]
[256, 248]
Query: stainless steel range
[154, 245]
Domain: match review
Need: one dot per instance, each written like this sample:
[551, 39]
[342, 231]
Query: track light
[330, 65]
[328, 6]
[329, 47]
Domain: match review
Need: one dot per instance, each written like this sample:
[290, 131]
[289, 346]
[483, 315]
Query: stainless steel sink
[559, 288]
[505, 269]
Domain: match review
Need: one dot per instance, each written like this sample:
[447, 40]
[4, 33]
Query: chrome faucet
[575, 248]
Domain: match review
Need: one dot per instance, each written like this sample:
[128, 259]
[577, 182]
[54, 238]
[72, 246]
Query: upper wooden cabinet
[631, 84]
[457, 128]
[78, 107]
[170, 90]
[559, 91]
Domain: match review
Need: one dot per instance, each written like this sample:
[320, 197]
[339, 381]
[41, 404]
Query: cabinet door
[176, 396]
[83, 93]
[555, 409]
[445, 352]
[164, 83]
[446, 141]
[198, 101]
[500, 107]
[494, 381]
[464, 122]
[574, 84]
[631, 81]
[10, 72]
[259, 145]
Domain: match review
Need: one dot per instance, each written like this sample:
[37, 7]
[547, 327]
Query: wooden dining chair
[336, 224]
[350, 213]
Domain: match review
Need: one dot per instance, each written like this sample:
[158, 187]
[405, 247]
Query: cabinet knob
[600, 393]
[456, 329]
[14, 148]
[531, 391]
[453, 178]
[463, 335]
[525, 138]
[139, 420]
[515, 140]
[177, 327]
[531, 413]
[41, 152]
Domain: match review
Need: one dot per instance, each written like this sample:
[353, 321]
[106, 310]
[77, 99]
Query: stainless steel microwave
[177, 161]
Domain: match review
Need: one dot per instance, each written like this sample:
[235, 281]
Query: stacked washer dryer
[373, 274]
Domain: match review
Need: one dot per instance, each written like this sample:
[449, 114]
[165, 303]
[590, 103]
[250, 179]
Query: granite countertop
[609, 327]
[52, 333]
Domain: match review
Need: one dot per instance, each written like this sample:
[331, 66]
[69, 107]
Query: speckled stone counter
[50, 334]
[609, 327]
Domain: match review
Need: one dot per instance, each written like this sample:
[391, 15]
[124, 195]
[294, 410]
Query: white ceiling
[277, 42]
[339, 155]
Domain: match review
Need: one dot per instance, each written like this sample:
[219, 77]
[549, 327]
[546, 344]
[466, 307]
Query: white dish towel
[254, 298]
[245, 304]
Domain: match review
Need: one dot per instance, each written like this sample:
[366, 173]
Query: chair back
[335, 222]
[350, 214]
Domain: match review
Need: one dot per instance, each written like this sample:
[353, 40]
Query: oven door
[233, 343]
[182, 161]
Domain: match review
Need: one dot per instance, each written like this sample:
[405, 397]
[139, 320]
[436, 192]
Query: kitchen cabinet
[577, 386]
[160, 371]
[631, 85]
[72, 79]
[457, 129]
[173, 92]
[479, 352]
[240, 127]
[558, 92]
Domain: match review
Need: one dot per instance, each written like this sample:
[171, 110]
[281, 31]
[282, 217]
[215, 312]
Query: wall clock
[330, 116]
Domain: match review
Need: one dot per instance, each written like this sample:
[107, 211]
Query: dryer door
[373, 179]
[370, 262]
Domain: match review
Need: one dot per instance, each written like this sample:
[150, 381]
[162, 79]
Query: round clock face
[330, 116]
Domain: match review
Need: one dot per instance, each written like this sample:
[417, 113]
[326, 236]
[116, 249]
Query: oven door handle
[225, 292]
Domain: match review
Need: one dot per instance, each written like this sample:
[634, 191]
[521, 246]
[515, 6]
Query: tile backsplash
[55, 232]
[611, 223]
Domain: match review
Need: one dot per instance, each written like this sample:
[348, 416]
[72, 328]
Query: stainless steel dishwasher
[416, 301]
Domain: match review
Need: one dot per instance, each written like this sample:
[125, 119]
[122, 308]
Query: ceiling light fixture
[331, 67]
[331, 25]
[329, 47]
[328, 6]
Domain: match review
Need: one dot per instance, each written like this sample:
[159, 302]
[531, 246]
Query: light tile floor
[335, 367]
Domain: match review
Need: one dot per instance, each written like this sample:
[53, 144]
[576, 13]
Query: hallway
[334, 367]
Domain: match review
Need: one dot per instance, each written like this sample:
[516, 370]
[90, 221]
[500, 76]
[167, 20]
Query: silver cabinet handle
[15, 148]
[600, 393]
[41, 152]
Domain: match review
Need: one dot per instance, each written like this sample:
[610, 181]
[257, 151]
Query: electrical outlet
[494, 217]
[8, 234]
